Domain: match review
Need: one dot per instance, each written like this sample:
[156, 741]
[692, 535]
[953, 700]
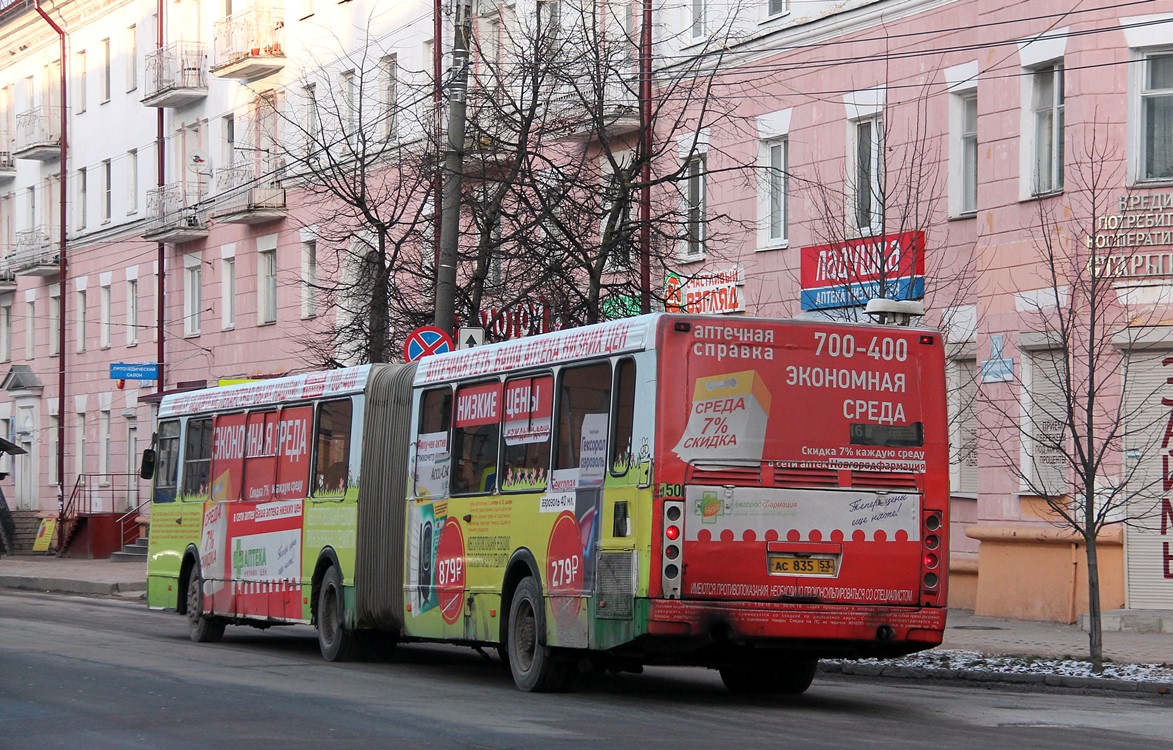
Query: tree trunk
[1095, 633]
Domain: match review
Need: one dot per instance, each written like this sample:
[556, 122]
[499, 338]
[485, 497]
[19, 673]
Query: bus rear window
[332, 448]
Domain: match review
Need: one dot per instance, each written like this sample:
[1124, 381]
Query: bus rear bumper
[873, 629]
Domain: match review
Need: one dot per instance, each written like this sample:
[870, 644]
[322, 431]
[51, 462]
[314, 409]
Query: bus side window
[623, 417]
[583, 391]
[475, 437]
[525, 456]
[197, 455]
[167, 469]
[332, 448]
[432, 460]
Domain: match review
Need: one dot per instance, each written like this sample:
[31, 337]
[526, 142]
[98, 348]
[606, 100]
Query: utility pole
[645, 171]
[445, 318]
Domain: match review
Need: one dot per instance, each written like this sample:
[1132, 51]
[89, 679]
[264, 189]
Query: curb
[67, 586]
[872, 669]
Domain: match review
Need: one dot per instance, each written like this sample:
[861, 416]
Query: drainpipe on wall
[63, 269]
[645, 191]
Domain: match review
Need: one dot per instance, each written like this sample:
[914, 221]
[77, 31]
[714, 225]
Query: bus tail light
[932, 555]
[671, 564]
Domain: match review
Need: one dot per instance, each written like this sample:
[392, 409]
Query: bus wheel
[769, 677]
[337, 643]
[535, 668]
[204, 628]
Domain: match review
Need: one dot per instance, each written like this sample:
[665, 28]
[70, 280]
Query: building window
[348, 85]
[192, 300]
[107, 190]
[79, 96]
[777, 7]
[867, 186]
[132, 58]
[104, 316]
[79, 445]
[227, 293]
[54, 437]
[309, 279]
[1047, 109]
[54, 321]
[81, 313]
[777, 189]
[131, 312]
[6, 332]
[966, 153]
[964, 458]
[1045, 435]
[229, 129]
[694, 180]
[104, 444]
[30, 329]
[1157, 117]
[132, 181]
[105, 70]
[80, 208]
[267, 287]
[390, 115]
[313, 123]
[697, 18]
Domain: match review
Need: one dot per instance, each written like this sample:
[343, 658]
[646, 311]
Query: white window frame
[309, 277]
[389, 69]
[698, 22]
[1034, 54]
[104, 444]
[1030, 449]
[132, 310]
[267, 280]
[865, 106]
[228, 287]
[79, 212]
[132, 182]
[107, 87]
[104, 311]
[30, 325]
[692, 150]
[79, 444]
[773, 193]
[107, 191]
[1048, 126]
[132, 57]
[775, 8]
[54, 320]
[6, 331]
[192, 294]
[1143, 93]
[79, 93]
[81, 311]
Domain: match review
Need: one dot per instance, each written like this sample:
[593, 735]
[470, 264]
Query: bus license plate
[793, 565]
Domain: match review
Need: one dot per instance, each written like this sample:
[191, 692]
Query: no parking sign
[426, 341]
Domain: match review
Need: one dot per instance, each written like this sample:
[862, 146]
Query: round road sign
[426, 341]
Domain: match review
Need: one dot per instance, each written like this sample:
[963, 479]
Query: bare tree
[359, 153]
[1078, 406]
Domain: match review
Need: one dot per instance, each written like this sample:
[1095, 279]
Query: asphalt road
[100, 673]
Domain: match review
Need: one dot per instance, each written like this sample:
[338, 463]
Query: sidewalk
[965, 632]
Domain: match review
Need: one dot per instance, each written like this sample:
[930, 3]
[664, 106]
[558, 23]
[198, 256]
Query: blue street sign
[134, 371]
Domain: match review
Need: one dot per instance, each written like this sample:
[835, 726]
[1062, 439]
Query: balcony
[618, 113]
[7, 276]
[38, 133]
[175, 213]
[7, 161]
[36, 253]
[251, 192]
[250, 44]
[176, 75]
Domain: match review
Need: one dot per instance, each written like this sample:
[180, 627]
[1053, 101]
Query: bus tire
[535, 668]
[204, 628]
[336, 642]
[769, 677]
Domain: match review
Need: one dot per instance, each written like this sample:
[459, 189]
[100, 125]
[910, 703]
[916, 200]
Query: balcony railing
[38, 133]
[176, 75]
[36, 253]
[175, 213]
[616, 114]
[7, 160]
[250, 43]
[251, 192]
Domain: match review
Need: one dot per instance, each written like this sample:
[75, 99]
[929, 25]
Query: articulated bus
[749, 495]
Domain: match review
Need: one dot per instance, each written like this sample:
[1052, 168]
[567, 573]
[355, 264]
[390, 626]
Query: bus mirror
[147, 468]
